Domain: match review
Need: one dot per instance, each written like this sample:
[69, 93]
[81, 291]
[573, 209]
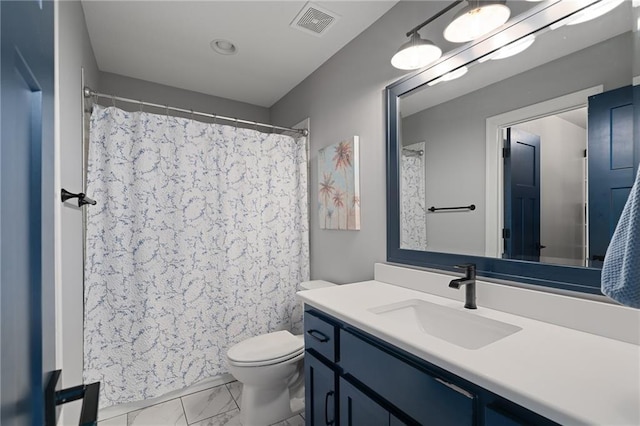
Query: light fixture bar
[434, 17]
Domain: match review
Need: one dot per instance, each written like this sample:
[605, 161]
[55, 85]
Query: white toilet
[270, 368]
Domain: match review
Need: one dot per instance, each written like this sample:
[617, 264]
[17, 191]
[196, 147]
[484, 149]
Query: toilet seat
[293, 357]
[266, 349]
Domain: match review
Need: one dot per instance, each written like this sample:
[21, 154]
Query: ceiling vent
[314, 19]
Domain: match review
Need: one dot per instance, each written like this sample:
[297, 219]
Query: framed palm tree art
[339, 186]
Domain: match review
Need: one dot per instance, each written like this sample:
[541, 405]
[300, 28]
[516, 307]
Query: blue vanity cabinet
[356, 379]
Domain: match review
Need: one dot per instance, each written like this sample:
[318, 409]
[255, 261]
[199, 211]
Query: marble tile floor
[217, 406]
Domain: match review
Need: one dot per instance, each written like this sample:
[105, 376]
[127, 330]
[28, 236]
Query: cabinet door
[320, 392]
[357, 409]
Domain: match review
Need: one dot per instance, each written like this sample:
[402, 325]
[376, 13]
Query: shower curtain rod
[88, 93]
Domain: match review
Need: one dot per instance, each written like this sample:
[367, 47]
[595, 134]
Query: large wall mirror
[520, 164]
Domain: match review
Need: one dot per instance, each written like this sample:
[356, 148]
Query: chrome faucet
[469, 281]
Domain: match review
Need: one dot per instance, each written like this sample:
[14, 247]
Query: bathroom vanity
[378, 354]
[362, 380]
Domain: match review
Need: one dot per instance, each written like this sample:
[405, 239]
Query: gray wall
[562, 198]
[119, 85]
[345, 97]
[74, 52]
[455, 134]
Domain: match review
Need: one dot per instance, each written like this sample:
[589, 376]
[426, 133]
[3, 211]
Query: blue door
[611, 165]
[27, 346]
[522, 196]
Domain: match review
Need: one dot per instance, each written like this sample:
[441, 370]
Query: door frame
[494, 170]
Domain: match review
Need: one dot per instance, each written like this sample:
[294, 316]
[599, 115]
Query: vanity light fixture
[416, 53]
[476, 19]
[587, 14]
[510, 49]
[449, 76]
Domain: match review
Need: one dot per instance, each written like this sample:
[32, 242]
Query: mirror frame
[578, 279]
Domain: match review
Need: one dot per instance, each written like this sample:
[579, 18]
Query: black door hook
[82, 198]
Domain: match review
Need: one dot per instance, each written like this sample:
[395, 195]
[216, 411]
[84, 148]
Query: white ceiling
[167, 42]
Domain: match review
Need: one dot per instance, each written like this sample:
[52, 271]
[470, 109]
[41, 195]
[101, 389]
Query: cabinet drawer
[425, 398]
[320, 335]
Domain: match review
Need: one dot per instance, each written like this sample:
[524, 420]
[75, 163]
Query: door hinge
[506, 152]
[506, 233]
[585, 153]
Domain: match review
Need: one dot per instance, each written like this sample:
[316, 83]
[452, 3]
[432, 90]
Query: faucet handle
[470, 269]
[466, 266]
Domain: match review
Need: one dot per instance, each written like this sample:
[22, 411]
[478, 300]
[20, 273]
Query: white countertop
[568, 376]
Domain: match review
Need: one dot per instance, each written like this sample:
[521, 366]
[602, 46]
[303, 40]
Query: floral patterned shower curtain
[198, 241]
[413, 210]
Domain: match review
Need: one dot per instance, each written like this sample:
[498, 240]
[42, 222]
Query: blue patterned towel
[621, 269]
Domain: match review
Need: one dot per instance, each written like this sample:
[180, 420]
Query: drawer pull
[455, 388]
[318, 335]
[326, 406]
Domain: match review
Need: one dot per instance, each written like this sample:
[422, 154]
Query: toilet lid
[266, 347]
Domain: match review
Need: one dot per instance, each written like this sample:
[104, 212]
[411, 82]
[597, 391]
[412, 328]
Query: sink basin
[454, 326]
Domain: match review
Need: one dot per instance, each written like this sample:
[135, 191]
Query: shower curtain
[413, 212]
[198, 241]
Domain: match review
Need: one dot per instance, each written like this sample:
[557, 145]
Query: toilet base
[261, 406]
[265, 406]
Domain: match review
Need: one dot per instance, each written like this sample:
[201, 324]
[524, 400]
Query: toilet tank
[311, 285]
[299, 308]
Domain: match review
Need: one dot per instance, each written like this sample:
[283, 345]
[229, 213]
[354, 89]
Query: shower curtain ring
[166, 110]
[141, 105]
[215, 119]
[255, 126]
[236, 124]
[113, 99]
[192, 115]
